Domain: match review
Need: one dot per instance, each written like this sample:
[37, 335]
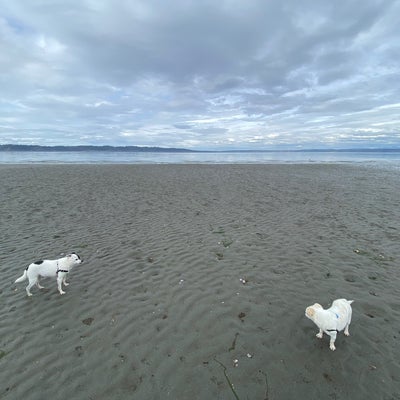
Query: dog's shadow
[302, 331]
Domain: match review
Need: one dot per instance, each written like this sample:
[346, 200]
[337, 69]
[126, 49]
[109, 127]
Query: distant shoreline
[37, 148]
[33, 148]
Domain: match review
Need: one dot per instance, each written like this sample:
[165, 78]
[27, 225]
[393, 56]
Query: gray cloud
[200, 74]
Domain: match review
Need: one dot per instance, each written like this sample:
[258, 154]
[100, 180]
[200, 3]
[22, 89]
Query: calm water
[390, 159]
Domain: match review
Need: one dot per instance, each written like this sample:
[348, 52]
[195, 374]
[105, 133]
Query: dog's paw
[332, 347]
[62, 292]
[29, 294]
[66, 283]
[319, 335]
[347, 333]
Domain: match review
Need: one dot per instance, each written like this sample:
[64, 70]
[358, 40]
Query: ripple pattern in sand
[158, 306]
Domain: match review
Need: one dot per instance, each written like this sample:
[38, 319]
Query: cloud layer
[200, 74]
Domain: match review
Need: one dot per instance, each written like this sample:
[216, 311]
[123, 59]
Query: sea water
[385, 158]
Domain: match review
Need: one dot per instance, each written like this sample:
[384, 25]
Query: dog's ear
[316, 305]
[310, 311]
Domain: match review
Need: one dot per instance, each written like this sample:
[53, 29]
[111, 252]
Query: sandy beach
[159, 310]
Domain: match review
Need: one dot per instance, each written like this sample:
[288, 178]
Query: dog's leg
[31, 283]
[332, 341]
[346, 330]
[65, 281]
[319, 334]
[39, 285]
[60, 278]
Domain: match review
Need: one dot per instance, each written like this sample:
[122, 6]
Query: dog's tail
[350, 301]
[23, 277]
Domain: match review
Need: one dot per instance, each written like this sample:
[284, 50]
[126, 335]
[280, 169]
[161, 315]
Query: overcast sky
[200, 74]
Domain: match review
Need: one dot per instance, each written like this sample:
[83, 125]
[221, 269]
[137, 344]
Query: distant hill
[22, 147]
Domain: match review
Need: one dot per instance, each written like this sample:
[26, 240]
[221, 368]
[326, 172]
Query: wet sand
[158, 309]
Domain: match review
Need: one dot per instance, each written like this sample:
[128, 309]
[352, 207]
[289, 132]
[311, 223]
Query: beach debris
[220, 256]
[181, 281]
[378, 258]
[248, 355]
[235, 362]
[242, 315]
[220, 230]
[243, 280]
[266, 384]
[88, 321]
[79, 351]
[226, 242]
[234, 342]
[350, 278]
[372, 367]
[150, 259]
[327, 377]
[113, 319]
[227, 379]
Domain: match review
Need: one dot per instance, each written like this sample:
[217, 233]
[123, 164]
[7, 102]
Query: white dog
[45, 268]
[333, 320]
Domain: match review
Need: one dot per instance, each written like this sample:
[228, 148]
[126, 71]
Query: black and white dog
[47, 268]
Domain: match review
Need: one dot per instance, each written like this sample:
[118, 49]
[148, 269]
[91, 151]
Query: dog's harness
[333, 330]
[60, 270]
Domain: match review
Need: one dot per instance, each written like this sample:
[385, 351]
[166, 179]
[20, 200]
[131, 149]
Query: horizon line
[36, 147]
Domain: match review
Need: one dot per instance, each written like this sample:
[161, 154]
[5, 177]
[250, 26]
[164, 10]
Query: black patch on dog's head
[76, 255]
[38, 262]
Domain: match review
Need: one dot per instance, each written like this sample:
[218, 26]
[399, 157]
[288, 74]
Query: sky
[201, 74]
